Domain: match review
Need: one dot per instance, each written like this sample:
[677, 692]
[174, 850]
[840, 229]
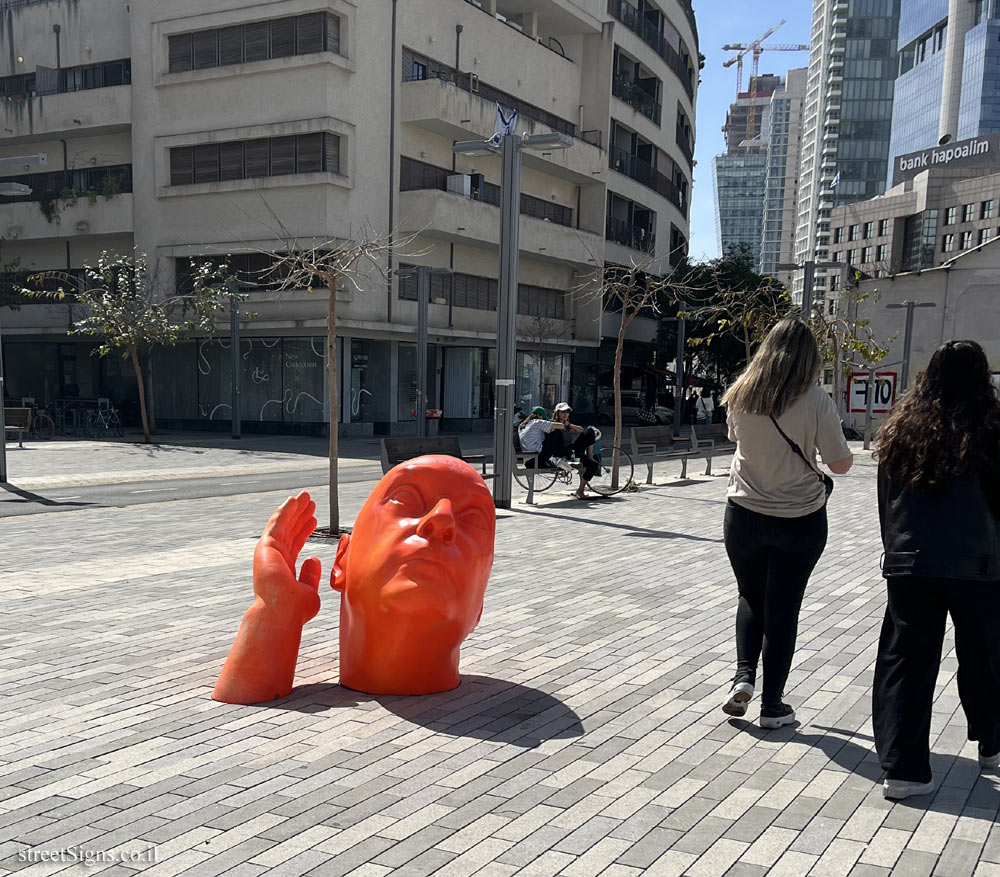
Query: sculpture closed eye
[412, 576]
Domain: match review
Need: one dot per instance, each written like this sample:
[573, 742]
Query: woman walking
[775, 526]
[939, 508]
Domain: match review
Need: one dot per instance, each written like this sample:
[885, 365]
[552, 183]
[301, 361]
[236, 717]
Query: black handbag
[826, 479]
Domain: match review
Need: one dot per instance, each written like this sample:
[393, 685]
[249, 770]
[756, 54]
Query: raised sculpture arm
[261, 663]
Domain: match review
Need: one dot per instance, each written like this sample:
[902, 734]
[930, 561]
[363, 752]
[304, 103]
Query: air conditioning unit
[460, 184]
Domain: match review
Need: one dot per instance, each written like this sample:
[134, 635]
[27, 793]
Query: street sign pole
[234, 343]
[679, 377]
[869, 404]
[908, 335]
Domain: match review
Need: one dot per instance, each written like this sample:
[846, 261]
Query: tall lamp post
[510, 148]
[908, 334]
[809, 279]
[423, 273]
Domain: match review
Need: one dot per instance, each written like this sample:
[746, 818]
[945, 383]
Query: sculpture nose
[439, 523]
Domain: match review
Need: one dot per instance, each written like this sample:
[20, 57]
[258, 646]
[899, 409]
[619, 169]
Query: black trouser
[554, 446]
[909, 655]
[772, 558]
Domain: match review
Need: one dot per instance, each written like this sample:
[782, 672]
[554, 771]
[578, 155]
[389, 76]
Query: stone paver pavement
[586, 738]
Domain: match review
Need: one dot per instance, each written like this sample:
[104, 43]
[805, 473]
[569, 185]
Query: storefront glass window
[406, 375]
[370, 401]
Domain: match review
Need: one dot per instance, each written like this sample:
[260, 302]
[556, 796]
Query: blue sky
[721, 22]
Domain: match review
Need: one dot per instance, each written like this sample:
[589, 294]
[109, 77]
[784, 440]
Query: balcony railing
[634, 20]
[643, 172]
[635, 237]
[641, 101]
[684, 142]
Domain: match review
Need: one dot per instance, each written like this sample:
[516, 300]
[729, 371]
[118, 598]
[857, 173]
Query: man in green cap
[534, 428]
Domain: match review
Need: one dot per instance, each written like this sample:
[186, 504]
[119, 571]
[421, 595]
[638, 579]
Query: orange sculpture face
[412, 577]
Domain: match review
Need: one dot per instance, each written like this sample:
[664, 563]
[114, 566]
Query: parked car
[631, 400]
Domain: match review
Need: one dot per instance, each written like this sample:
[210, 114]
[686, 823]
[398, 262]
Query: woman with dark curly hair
[939, 508]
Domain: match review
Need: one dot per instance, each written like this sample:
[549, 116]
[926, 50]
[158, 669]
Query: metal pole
[3, 431]
[503, 436]
[869, 404]
[679, 377]
[907, 340]
[423, 297]
[808, 282]
[234, 341]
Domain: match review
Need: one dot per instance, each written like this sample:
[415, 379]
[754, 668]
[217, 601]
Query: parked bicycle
[102, 422]
[40, 425]
[601, 483]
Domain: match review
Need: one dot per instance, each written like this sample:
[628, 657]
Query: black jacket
[952, 533]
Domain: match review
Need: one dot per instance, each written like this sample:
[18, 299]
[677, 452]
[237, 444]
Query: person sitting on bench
[569, 441]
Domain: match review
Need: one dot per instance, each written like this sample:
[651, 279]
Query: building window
[968, 212]
[986, 210]
[262, 157]
[984, 235]
[882, 253]
[852, 256]
[838, 235]
[255, 41]
[883, 228]
[852, 234]
[948, 243]
[951, 216]
[866, 255]
[838, 256]
[966, 243]
[868, 230]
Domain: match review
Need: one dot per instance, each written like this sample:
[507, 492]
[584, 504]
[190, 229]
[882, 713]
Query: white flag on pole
[505, 124]
[836, 181]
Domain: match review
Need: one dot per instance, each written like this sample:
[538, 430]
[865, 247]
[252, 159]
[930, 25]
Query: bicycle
[42, 427]
[601, 483]
[103, 421]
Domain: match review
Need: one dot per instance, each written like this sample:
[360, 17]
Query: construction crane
[757, 48]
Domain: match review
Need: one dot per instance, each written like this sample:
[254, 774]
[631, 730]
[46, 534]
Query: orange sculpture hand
[261, 663]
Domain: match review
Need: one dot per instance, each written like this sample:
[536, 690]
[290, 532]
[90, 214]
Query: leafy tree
[10, 282]
[127, 313]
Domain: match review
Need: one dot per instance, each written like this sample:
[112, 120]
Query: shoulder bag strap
[797, 450]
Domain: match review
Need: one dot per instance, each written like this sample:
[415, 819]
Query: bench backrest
[399, 449]
[16, 418]
[659, 437]
[715, 432]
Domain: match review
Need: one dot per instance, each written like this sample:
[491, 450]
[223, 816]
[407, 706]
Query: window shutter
[231, 160]
[282, 37]
[206, 163]
[206, 49]
[255, 41]
[181, 166]
[256, 157]
[308, 153]
[333, 33]
[231, 45]
[331, 153]
[309, 33]
[179, 53]
[282, 156]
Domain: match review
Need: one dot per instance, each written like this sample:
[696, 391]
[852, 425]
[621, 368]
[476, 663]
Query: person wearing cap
[572, 439]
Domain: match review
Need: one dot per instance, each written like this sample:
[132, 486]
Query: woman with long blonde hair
[775, 525]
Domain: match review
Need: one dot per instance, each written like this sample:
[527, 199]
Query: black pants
[554, 446]
[772, 559]
[909, 655]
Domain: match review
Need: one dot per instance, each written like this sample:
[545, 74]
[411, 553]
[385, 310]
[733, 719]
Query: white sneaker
[739, 697]
[563, 464]
[896, 790]
[989, 761]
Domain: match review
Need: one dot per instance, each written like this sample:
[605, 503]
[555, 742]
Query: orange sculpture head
[412, 576]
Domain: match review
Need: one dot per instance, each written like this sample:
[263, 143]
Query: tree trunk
[746, 342]
[134, 356]
[617, 389]
[332, 377]
[150, 396]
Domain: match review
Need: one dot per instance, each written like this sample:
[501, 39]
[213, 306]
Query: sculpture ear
[339, 575]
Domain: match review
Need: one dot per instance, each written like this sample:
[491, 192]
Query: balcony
[92, 112]
[458, 219]
[630, 92]
[25, 220]
[643, 172]
[684, 142]
[633, 19]
[635, 237]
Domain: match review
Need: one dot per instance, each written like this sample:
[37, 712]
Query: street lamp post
[509, 147]
[809, 279]
[423, 273]
[908, 334]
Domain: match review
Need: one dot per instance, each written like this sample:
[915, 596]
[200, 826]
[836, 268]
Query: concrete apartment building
[739, 172]
[781, 175]
[846, 119]
[188, 131]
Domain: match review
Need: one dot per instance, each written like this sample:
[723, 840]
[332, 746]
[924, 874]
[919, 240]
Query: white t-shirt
[767, 476]
[532, 435]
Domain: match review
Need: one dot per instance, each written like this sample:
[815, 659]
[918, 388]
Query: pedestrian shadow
[983, 793]
[482, 708]
[643, 532]
[26, 496]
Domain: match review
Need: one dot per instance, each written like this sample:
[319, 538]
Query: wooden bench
[708, 438]
[399, 449]
[653, 443]
[16, 421]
